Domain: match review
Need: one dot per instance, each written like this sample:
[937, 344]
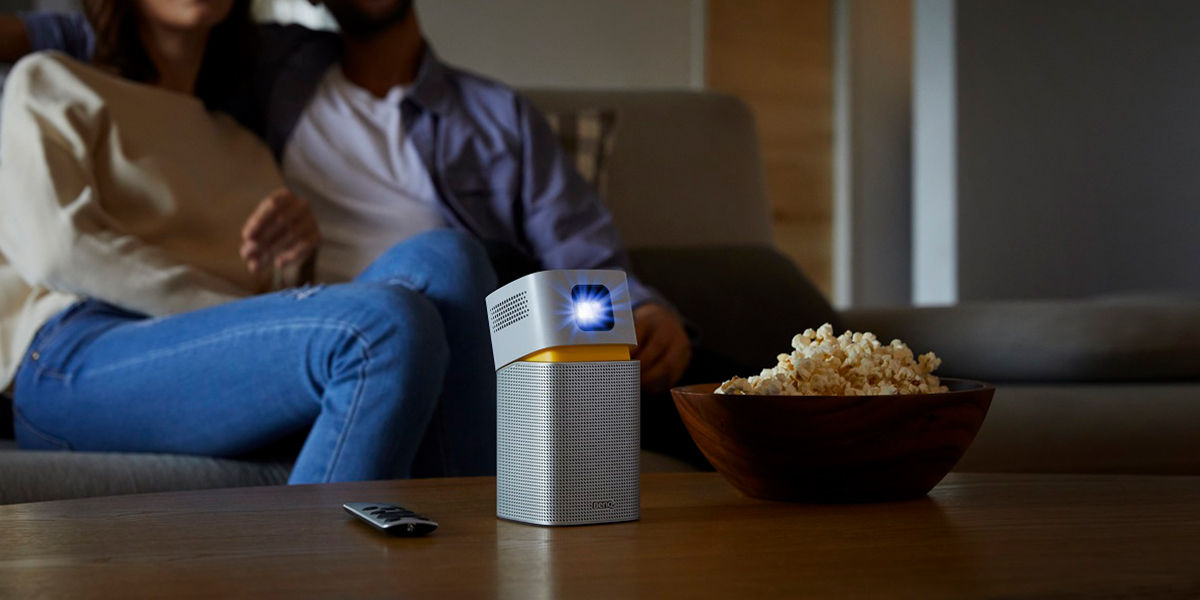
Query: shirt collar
[431, 89]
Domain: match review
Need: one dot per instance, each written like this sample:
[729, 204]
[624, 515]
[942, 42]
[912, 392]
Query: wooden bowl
[835, 448]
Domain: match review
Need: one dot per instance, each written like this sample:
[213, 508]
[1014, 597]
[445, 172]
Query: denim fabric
[391, 375]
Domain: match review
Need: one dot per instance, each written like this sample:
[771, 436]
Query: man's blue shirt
[496, 166]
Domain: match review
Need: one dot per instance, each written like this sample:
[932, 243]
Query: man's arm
[569, 228]
[45, 30]
[565, 222]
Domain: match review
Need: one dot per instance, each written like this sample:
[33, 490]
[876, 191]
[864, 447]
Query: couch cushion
[1059, 340]
[1144, 428]
[37, 475]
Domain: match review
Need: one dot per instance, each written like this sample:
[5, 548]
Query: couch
[685, 184]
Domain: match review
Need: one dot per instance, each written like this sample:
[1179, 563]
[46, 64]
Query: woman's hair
[223, 77]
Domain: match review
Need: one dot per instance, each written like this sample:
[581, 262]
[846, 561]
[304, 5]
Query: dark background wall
[1078, 147]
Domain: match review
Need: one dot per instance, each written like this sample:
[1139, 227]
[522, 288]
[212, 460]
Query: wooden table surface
[1010, 536]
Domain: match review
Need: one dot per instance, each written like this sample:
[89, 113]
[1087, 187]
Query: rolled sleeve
[567, 225]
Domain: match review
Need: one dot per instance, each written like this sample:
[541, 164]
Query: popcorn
[852, 364]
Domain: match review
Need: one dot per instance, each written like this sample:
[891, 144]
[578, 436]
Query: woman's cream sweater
[117, 191]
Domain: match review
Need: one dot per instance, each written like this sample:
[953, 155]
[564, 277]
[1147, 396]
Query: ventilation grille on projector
[568, 442]
[510, 311]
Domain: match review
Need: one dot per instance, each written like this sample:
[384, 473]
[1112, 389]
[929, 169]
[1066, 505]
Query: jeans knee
[464, 254]
[400, 324]
[455, 262]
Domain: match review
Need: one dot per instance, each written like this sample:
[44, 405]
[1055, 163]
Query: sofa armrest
[1050, 340]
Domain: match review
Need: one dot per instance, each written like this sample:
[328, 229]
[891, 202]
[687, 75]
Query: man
[384, 141]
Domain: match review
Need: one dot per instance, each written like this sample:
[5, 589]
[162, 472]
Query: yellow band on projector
[585, 353]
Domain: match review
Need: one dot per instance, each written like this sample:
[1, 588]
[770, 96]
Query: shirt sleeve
[567, 225]
[66, 32]
[55, 230]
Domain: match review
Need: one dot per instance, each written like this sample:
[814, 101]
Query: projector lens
[592, 307]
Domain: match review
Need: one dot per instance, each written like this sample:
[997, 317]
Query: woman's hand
[281, 234]
[663, 346]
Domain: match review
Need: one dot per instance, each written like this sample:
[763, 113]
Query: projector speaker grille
[568, 436]
[512, 309]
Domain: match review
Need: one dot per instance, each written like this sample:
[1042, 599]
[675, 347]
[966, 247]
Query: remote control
[392, 519]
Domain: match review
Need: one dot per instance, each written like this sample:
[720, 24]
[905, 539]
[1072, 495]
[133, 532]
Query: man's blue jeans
[391, 375]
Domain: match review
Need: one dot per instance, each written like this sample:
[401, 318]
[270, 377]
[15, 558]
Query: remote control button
[392, 518]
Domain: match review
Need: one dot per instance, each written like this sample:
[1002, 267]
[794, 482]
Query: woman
[135, 232]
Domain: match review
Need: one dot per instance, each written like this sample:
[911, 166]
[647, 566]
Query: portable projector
[568, 426]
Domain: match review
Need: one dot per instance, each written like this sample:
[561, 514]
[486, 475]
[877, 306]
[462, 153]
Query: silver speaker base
[568, 436]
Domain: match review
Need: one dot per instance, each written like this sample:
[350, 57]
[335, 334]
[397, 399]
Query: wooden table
[1011, 536]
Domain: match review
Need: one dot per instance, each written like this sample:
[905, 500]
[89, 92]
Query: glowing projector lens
[587, 311]
[592, 308]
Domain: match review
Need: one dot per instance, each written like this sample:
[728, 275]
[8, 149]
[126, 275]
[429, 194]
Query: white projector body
[568, 399]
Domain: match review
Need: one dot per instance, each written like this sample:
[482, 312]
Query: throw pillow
[587, 136]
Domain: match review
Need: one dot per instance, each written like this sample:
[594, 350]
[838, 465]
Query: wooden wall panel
[777, 55]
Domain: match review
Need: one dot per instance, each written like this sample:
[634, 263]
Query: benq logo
[605, 504]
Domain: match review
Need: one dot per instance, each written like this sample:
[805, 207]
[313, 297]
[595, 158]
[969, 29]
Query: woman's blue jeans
[391, 375]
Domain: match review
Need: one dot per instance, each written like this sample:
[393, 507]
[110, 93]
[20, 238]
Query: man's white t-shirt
[349, 158]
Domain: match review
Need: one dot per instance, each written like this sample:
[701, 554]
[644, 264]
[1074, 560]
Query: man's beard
[354, 23]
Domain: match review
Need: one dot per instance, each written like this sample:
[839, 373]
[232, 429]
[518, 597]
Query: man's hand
[281, 233]
[663, 347]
